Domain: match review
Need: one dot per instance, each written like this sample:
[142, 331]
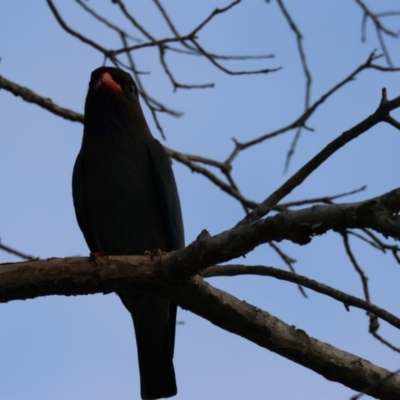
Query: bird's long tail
[154, 321]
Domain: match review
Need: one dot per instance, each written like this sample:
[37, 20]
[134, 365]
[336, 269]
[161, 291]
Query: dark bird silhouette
[126, 203]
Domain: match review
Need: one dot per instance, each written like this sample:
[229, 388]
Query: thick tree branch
[73, 276]
[18, 281]
[243, 319]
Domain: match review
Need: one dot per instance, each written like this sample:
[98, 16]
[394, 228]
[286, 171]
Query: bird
[126, 203]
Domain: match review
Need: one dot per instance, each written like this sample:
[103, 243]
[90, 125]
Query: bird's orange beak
[107, 81]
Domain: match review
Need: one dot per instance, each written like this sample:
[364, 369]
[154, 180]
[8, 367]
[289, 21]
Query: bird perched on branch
[126, 203]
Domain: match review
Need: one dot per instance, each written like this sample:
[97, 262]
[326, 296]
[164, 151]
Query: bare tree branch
[74, 33]
[303, 118]
[17, 253]
[303, 59]
[74, 276]
[289, 261]
[46, 103]
[261, 270]
[324, 199]
[380, 29]
[105, 21]
[381, 113]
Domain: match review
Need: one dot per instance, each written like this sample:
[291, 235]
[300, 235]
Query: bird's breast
[121, 198]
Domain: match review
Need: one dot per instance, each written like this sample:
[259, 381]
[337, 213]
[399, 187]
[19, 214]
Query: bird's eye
[131, 88]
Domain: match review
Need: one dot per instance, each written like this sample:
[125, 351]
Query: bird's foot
[97, 258]
[97, 254]
[154, 252]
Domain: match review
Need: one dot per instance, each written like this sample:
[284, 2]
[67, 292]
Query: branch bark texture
[73, 276]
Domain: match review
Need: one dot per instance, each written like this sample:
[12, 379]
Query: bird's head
[112, 101]
[114, 80]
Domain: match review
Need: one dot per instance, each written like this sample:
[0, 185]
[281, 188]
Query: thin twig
[307, 74]
[289, 262]
[261, 270]
[17, 253]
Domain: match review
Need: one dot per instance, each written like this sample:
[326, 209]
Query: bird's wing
[168, 192]
[79, 203]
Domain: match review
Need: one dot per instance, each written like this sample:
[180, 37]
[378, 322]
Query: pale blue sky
[83, 347]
